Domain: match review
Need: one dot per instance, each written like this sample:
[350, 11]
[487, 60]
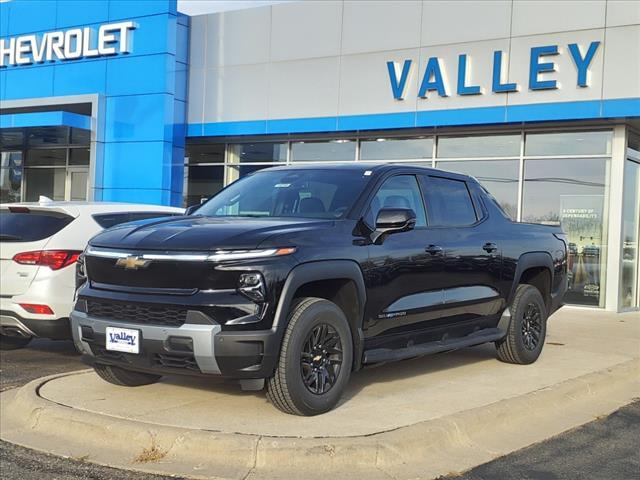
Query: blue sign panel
[133, 56]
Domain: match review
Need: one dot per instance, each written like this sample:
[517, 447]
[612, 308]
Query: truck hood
[200, 233]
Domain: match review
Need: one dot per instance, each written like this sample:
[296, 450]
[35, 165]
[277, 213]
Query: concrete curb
[424, 450]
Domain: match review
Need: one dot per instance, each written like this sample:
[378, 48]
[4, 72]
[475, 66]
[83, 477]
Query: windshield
[288, 193]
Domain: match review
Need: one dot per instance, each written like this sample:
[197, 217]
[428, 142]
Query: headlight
[251, 285]
[227, 255]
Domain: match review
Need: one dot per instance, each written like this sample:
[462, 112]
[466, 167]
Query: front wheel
[8, 342]
[315, 359]
[125, 378]
[528, 327]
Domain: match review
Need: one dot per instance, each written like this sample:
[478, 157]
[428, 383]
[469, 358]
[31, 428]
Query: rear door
[23, 229]
[472, 257]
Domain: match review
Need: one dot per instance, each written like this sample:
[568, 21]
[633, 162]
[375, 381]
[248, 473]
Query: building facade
[539, 100]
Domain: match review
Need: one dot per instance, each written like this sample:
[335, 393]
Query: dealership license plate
[123, 340]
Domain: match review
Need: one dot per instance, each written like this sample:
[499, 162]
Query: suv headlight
[252, 286]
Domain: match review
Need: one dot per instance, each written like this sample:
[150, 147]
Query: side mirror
[190, 209]
[393, 220]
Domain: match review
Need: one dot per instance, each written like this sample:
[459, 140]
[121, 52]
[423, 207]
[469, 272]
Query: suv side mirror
[190, 209]
[393, 220]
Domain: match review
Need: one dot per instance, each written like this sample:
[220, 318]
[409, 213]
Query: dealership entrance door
[44, 161]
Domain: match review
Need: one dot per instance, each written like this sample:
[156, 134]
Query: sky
[199, 7]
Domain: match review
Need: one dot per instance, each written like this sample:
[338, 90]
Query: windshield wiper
[6, 236]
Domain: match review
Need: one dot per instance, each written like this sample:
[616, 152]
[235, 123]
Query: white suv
[39, 245]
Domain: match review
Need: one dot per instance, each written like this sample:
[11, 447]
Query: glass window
[47, 136]
[568, 143]
[201, 182]
[401, 191]
[630, 230]
[479, 146]
[46, 157]
[31, 226]
[78, 156]
[10, 184]
[332, 151]
[499, 177]
[448, 202]
[49, 182]
[570, 193]
[207, 153]
[78, 185]
[396, 148]
[80, 137]
[289, 193]
[260, 152]
[11, 138]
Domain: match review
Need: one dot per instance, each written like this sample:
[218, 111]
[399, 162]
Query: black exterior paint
[424, 263]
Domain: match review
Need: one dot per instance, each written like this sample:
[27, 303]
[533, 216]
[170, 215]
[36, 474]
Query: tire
[13, 343]
[311, 320]
[527, 329]
[125, 378]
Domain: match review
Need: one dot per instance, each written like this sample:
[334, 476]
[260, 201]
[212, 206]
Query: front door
[404, 271]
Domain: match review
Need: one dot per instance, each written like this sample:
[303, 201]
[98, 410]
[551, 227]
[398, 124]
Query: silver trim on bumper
[12, 322]
[202, 336]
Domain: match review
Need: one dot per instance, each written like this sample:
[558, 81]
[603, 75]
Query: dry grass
[151, 454]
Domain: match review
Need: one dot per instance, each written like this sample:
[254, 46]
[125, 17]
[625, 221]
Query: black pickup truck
[298, 276]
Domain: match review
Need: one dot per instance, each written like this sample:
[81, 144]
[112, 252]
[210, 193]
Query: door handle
[490, 247]
[433, 249]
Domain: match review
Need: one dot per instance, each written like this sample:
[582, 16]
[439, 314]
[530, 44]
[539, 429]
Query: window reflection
[479, 146]
[396, 148]
[570, 193]
[333, 151]
[568, 143]
[201, 182]
[499, 177]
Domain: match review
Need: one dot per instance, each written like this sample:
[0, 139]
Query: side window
[448, 202]
[401, 191]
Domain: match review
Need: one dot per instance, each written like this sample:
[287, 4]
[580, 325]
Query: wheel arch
[340, 281]
[535, 268]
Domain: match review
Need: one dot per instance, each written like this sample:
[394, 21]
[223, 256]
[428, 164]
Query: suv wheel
[315, 359]
[527, 329]
[8, 342]
[125, 378]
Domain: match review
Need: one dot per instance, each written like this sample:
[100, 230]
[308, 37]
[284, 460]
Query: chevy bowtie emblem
[132, 263]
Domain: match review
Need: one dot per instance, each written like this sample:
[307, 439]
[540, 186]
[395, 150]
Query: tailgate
[15, 278]
[24, 229]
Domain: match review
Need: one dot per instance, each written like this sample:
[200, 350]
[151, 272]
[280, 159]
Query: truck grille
[167, 360]
[140, 313]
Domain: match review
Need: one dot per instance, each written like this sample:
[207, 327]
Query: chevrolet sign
[72, 44]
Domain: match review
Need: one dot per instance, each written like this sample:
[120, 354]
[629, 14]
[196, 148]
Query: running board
[393, 354]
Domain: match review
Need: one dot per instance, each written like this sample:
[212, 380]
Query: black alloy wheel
[321, 359]
[531, 326]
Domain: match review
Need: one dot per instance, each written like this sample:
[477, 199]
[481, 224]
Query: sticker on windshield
[368, 173]
[282, 185]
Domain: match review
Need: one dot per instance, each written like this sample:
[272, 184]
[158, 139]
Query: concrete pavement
[420, 418]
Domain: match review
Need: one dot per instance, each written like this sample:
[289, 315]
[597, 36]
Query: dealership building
[135, 101]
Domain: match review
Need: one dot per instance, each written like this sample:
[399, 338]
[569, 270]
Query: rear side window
[108, 220]
[30, 226]
[448, 202]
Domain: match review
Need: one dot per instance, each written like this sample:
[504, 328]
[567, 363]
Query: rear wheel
[315, 359]
[125, 378]
[8, 342]
[527, 329]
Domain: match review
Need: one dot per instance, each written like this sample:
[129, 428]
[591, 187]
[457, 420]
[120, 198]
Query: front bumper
[190, 349]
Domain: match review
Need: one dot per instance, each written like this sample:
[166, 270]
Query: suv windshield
[288, 193]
